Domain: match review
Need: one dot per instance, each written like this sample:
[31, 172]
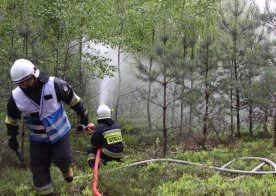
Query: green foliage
[218, 185]
[136, 134]
[132, 126]
[15, 180]
[155, 178]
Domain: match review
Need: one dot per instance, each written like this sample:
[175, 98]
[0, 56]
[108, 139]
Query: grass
[153, 178]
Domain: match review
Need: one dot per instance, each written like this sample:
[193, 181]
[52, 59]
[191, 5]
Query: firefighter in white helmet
[107, 136]
[39, 99]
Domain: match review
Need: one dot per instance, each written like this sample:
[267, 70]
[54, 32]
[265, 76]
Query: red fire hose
[95, 181]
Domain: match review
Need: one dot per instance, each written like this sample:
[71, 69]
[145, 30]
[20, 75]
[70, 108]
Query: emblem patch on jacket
[65, 88]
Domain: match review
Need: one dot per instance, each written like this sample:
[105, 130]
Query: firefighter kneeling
[107, 136]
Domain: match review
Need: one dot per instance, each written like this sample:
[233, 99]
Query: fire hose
[95, 181]
[254, 171]
[89, 129]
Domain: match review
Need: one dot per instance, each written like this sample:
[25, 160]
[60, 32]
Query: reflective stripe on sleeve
[75, 100]
[11, 121]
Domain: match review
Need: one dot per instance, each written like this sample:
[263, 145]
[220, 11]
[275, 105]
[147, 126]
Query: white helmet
[103, 112]
[21, 69]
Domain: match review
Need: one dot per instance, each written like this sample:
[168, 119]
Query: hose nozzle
[80, 128]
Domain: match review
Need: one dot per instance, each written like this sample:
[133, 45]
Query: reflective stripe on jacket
[51, 122]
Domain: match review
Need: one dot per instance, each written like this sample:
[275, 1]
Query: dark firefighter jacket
[108, 137]
[63, 93]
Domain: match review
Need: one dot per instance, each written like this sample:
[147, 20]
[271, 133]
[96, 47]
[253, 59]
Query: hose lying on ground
[221, 169]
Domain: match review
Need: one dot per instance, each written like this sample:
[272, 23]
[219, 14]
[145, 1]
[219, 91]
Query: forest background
[187, 79]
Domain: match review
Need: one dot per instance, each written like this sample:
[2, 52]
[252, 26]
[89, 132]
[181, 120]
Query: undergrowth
[154, 178]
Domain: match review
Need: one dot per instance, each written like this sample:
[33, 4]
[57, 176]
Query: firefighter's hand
[13, 144]
[89, 129]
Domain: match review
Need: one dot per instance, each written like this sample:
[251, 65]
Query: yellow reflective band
[75, 100]
[113, 137]
[90, 158]
[11, 121]
[109, 132]
[103, 117]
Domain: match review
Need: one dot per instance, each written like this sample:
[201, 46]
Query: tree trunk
[235, 61]
[231, 110]
[237, 102]
[57, 54]
[191, 106]
[266, 115]
[173, 107]
[119, 82]
[250, 119]
[207, 95]
[165, 96]
[274, 127]
[149, 95]
[80, 65]
[182, 89]
[181, 109]
[165, 111]
[150, 83]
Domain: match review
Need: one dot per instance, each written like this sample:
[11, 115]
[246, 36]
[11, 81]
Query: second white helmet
[103, 112]
[21, 69]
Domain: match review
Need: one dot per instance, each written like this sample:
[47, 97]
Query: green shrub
[156, 178]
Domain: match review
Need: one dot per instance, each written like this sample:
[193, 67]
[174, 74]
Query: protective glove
[84, 118]
[13, 144]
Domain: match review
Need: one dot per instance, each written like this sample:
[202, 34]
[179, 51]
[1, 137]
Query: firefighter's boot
[68, 175]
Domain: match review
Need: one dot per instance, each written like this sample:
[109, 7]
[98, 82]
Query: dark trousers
[41, 156]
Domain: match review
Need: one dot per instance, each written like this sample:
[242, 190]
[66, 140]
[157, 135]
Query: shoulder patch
[65, 88]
